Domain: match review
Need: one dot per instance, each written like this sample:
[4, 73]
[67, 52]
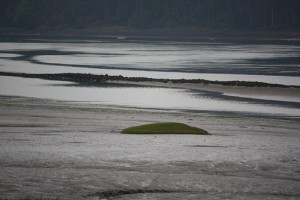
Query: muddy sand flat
[76, 151]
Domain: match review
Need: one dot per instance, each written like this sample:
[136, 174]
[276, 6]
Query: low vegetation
[102, 79]
[165, 128]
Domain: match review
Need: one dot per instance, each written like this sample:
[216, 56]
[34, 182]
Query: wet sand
[284, 92]
[76, 151]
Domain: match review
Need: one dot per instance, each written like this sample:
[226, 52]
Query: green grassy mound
[165, 128]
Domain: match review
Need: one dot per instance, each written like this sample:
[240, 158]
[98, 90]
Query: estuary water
[155, 59]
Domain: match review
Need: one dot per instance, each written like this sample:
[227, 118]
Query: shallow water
[146, 97]
[174, 60]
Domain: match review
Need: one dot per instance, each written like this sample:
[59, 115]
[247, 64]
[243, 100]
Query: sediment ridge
[98, 79]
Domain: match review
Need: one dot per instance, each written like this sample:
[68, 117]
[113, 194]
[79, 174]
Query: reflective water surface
[144, 97]
[212, 61]
[174, 60]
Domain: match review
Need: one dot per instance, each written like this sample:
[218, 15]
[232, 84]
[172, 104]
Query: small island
[165, 128]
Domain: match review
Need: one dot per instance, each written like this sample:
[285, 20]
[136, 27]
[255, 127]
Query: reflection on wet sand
[76, 151]
[145, 97]
[173, 60]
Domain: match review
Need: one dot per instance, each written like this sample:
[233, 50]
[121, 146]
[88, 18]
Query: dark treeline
[144, 14]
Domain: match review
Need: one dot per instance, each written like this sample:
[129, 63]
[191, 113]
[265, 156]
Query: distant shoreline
[98, 79]
[177, 34]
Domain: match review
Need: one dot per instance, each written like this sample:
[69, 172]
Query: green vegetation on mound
[165, 128]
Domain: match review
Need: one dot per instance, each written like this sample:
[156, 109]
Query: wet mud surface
[74, 151]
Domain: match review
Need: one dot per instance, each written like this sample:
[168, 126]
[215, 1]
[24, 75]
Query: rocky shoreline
[98, 79]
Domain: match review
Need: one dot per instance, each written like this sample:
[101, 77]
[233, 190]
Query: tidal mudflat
[61, 137]
[224, 61]
[77, 151]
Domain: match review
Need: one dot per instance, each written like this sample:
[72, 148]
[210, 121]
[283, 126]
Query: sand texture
[75, 151]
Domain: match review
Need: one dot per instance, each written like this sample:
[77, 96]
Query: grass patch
[165, 128]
